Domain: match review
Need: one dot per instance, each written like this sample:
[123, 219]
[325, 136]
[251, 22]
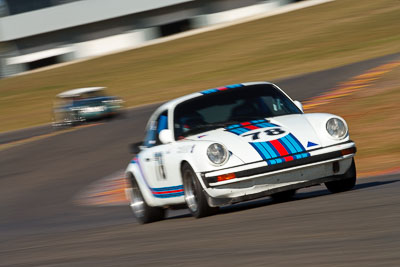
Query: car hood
[266, 139]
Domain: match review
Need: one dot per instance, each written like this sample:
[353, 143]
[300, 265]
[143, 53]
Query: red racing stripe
[290, 158]
[167, 192]
[248, 125]
[278, 146]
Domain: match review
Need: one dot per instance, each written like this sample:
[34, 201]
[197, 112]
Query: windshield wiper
[207, 127]
[240, 119]
[211, 126]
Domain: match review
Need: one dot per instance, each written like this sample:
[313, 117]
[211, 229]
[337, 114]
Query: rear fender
[133, 172]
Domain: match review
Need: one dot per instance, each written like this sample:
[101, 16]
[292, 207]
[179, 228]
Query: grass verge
[374, 122]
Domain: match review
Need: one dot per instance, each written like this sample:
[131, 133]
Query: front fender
[318, 122]
[195, 154]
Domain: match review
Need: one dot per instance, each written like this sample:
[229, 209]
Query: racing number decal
[275, 131]
[160, 170]
[269, 132]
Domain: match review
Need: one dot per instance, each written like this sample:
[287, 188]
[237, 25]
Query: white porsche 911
[235, 143]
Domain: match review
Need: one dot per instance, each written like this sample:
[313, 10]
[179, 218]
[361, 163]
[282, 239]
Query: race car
[235, 143]
[84, 104]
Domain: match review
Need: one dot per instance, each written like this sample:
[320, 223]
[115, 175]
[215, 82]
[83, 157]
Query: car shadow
[262, 202]
[298, 197]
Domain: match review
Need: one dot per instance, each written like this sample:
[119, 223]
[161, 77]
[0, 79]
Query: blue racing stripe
[305, 155]
[296, 141]
[170, 195]
[272, 150]
[233, 126]
[209, 91]
[261, 151]
[285, 146]
[235, 131]
[242, 130]
[289, 138]
[170, 188]
[235, 85]
[258, 151]
[297, 156]
[264, 125]
[289, 147]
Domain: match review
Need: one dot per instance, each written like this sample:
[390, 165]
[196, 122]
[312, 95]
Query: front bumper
[260, 181]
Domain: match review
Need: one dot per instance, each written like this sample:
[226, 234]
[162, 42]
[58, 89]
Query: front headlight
[217, 154]
[336, 128]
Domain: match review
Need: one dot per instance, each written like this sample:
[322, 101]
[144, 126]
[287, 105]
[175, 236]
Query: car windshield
[231, 106]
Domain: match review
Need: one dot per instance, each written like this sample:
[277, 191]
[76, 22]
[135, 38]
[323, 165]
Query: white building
[38, 33]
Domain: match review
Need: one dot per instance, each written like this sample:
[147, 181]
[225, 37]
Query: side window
[155, 128]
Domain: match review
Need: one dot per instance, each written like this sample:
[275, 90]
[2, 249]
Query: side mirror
[299, 105]
[166, 136]
[135, 147]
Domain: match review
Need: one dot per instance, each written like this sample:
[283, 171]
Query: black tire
[141, 210]
[195, 198]
[283, 196]
[347, 181]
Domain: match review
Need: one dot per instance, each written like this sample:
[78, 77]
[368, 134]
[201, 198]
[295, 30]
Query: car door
[153, 157]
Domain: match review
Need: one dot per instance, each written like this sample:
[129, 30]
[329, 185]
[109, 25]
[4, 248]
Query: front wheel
[142, 212]
[347, 182]
[194, 196]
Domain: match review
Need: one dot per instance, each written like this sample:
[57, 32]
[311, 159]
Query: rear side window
[154, 130]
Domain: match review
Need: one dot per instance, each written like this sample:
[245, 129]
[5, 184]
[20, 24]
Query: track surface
[41, 225]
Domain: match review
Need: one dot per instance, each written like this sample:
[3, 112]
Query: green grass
[315, 38]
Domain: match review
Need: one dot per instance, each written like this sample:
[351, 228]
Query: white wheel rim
[190, 193]
[136, 201]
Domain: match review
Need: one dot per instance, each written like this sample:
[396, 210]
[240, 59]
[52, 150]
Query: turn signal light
[225, 177]
[348, 151]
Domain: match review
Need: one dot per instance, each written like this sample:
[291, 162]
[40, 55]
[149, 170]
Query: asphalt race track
[41, 225]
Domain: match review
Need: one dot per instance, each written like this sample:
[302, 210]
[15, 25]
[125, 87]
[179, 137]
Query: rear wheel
[142, 212]
[194, 196]
[347, 182]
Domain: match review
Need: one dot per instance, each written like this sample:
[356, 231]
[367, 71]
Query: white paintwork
[79, 91]
[263, 182]
[160, 166]
[299, 105]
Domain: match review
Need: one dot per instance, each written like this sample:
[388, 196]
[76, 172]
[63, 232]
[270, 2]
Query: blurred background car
[84, 104]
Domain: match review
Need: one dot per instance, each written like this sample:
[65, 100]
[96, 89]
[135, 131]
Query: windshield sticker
[214, 90]
[245, 127]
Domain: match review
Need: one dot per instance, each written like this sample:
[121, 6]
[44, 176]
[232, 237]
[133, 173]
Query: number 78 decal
[269, 132]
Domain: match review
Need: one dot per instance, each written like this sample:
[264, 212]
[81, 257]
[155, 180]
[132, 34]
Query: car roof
[79, 91]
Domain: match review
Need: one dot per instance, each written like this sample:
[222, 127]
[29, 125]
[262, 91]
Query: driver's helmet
[190, 121]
